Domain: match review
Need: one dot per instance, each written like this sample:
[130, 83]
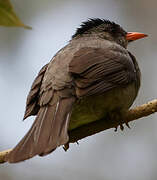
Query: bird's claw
[127, 124]
[66, 146]
[122, 126]
[117, 116]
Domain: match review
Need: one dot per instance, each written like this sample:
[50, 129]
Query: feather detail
[32, 106]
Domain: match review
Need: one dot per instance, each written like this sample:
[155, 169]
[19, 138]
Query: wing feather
[100, 70]
[32, 106]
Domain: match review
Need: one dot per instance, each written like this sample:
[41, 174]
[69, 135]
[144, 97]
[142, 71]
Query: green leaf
[8, 16]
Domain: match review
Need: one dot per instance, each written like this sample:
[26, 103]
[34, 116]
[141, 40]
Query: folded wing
[97, 70]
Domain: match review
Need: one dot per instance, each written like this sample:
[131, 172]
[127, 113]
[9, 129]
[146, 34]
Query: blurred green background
[109, 155]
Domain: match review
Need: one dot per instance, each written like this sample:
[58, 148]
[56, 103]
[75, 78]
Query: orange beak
[132, 36]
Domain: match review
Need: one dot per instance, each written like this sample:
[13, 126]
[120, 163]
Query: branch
[101, 125]
[3, 155]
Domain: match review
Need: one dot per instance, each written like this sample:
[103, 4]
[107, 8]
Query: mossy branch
[101, 125]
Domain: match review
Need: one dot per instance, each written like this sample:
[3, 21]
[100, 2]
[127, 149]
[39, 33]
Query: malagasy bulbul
[91, 78]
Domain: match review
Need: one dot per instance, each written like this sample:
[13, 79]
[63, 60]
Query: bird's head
[107, 30]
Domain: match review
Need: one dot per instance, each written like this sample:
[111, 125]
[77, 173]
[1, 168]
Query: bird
[93, 77]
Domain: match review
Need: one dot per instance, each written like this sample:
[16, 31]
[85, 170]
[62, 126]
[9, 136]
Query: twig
[3, 155]
[101, 125]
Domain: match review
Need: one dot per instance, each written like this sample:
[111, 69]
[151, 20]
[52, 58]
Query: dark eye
[121, 40]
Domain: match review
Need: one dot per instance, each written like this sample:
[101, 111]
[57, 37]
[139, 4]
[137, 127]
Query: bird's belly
[96, 107]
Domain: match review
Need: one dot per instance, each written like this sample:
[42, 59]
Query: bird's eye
[121, 40]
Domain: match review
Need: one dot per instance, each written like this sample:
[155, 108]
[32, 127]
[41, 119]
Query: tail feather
[60, 125]
[48, 131]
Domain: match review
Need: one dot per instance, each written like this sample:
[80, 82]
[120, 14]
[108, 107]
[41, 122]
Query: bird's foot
[127, 124]
[122, 126]
[117, 116]
[66, 146]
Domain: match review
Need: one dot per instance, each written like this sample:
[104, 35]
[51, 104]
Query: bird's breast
[96, 107]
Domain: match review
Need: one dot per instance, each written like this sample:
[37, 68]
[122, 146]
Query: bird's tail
[48, 131]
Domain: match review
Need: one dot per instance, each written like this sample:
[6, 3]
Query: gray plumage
[89, 67]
